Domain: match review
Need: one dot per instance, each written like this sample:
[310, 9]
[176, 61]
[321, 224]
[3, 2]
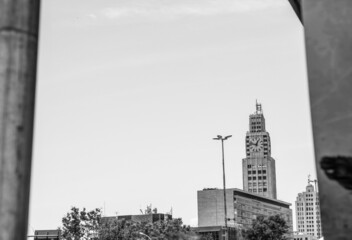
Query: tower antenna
[315, 183]
[104, 210]
[258, 107]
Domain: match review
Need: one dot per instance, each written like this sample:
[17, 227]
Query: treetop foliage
[83, 225]
[268, 228]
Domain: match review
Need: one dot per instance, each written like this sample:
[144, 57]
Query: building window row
[254, 190]
[255, 184]
[255, 172]
[254, 166]
[255, 178]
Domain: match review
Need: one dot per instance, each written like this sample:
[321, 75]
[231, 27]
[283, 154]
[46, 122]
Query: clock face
[255, 144]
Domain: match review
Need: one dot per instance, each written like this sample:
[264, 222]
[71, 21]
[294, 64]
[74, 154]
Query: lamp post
[219, 137]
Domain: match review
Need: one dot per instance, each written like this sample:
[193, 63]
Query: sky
[130, 94]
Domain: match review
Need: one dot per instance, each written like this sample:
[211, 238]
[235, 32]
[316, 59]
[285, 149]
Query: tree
[271, 228]
[208, 236]
[160, 230]
[81, 225]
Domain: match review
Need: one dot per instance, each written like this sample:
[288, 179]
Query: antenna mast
[315, 182]
[258, 107]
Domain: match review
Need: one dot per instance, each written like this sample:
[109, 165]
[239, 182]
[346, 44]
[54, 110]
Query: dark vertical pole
[224, 182]
[328, 37]
[19, 21]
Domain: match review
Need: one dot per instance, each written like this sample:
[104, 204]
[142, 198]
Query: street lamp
[219, 137]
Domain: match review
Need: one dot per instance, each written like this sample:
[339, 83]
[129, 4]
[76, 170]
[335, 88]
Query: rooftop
[253, 196]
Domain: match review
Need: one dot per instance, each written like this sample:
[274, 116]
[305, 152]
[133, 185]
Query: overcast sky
[131, 92]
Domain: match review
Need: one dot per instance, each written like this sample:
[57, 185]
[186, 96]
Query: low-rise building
[151, 217]
[54, 234]
[218, 232]
[242, 208]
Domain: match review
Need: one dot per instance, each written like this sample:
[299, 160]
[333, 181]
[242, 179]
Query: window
[254, 178]
[249, 166]
[264, 189]
[254, 172]
[264, 171]
[259, 172]
[249, 172]
[264, 177]
[259, 178]
[249, 178]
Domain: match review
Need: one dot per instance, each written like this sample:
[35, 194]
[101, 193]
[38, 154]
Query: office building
[307, 205]
[242, 208]
[218, 232]
[258, 168]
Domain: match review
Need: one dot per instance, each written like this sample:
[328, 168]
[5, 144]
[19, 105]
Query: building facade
[47, 234]
[242, 208]
[302, 236]
[258, 168]
[218, 233]
[307, 206]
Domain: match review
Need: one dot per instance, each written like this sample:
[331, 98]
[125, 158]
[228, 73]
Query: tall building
[258, 168]
[308, 219]
[258, 197]
[242, 208]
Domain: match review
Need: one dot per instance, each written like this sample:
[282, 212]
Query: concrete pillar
[18, 60]
[328, 36]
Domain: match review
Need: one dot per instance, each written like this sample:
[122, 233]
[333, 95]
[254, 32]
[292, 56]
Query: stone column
[328, 36]
[18, 62]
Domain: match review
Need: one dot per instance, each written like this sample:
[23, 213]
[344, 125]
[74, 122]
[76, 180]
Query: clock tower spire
[258, 167]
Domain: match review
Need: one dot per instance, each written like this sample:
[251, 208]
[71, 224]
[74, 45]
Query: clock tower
[258, 167]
